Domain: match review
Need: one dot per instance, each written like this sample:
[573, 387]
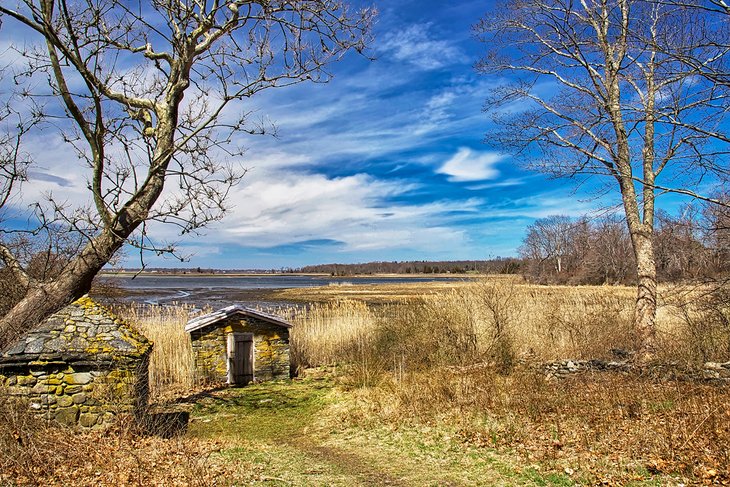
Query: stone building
[238, 345]
[80, 367]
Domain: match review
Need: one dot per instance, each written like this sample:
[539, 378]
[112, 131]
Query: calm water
[256, 282]
[220, 291]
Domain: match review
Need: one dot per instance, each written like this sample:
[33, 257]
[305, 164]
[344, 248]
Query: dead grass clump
[37, 452]
[577, 323]
[701, 331]
[27, 452]
[172, 368]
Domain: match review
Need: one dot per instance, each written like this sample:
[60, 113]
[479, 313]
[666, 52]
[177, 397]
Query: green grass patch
[292, 433]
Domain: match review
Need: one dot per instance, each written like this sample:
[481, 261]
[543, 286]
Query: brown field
[437, 385]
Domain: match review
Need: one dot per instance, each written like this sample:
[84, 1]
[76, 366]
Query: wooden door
[240, 358]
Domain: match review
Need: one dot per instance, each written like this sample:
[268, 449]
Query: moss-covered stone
[88, 420]
[68, 415]
[64, 401]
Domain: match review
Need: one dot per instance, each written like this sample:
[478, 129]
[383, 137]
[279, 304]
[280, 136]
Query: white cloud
[282, 208]
[469, 165]
[415, 46]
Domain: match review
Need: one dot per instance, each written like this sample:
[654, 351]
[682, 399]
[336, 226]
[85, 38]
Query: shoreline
[128, 274]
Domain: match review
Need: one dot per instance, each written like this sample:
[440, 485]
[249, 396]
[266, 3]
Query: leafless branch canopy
[603, 88]
[150, 96]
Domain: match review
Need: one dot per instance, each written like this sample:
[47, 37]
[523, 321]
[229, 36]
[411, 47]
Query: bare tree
[610, 258]
[142, 93]
[592, 91]
[550, 240]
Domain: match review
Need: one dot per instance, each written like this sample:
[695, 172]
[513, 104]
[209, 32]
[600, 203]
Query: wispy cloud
[416, 46]
[358, 211]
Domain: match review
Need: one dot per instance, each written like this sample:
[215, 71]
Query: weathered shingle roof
[82, 330]
[221, 314]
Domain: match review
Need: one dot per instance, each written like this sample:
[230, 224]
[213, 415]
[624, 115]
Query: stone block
[67, 415]
[78, 378]
[41, 388]
[25, 380]
[16, 349]
[64, 401]
[73, 389]
[48, 399]
[87, 420]
[79, 398]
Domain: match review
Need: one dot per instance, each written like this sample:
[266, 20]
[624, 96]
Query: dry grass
[471, 322]
[329, 333]
[451, 359]
[34, 452]
[605, 427]
[171, 363]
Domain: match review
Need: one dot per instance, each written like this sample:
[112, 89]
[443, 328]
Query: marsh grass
[172, 367]
[462, 358]
[330, 333]
[496, 321]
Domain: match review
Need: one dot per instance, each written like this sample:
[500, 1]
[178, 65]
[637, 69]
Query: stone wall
[82, 366]
[84, 394]
[710, 372]
[271, 348]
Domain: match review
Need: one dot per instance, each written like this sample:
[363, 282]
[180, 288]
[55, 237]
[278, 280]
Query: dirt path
[350, 464]
[288, 434]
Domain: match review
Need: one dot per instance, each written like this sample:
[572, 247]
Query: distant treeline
[565, 250]
[498, 265]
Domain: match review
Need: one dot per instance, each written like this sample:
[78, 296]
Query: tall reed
[171, 363]
[329, 333]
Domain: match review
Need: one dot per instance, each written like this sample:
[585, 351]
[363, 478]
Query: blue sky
[385, 162]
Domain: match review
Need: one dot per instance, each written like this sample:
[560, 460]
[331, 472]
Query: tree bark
[45, 298]
[646, 297]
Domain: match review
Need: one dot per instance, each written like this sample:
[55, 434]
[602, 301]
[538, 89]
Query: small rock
[41, 388]
[55, 345]
[67, 415]
[48, 399]
[79, 398]
[36, 346]
[16, 349]
[80, 378]
[24, 380]
[73, 389]
[87, 420]
[64, 401]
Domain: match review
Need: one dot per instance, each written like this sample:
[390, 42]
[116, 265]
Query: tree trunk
[646, 297]
[44, 299]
